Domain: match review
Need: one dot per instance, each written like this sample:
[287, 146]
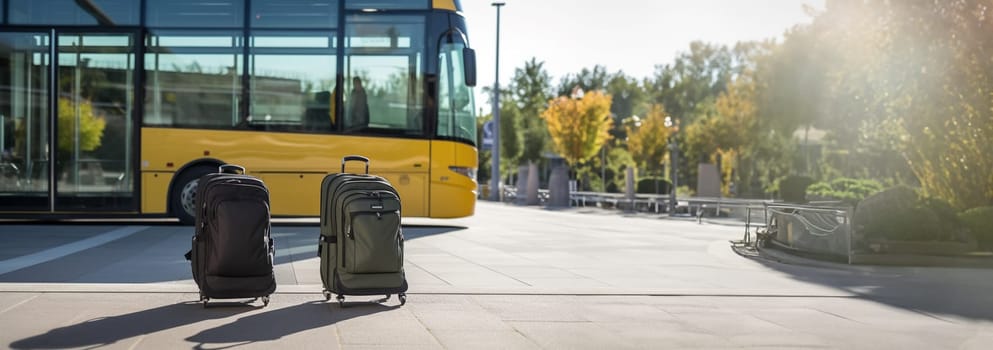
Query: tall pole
[674, 159]
[495, 180]
[673, 163]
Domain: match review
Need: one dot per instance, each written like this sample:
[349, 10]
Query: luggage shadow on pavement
[109, 330]
[276, 324]
[418, 231]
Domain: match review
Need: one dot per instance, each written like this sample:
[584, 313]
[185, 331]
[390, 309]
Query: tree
[579, 126]
[628, 99]
[511, 143]
[910, 79]
[531, 87]
[510, 137]
[688, 88]
[648, 142]
[588, 80]
[695, 77]
[89, 129]
[736, 107]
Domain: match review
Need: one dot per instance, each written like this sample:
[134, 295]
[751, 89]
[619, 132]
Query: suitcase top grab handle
[231, 169]
[354, 157]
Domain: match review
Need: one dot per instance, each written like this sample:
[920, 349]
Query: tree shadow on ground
[936, 291]
[279, 323]
[109, 330]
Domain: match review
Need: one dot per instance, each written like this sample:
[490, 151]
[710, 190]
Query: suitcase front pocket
[239, 246]
[373, 243]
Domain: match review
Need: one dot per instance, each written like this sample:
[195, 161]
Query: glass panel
[387, 4]
[73, 12]
[96, 88]
[293, 87]
[195, 13]
[294, 13]
[456, 105]
[189, 83]
[24, 65]
[384, 81]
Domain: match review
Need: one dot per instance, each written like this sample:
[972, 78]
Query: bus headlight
[468, 172]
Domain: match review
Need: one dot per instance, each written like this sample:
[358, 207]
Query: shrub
[845, 189]
[793, 188]
[947, 217]
[648, 186]
[896, 214]
[979, 221]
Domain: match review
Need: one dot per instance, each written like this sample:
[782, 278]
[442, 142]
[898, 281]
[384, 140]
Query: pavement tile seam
[427, 271]
[425, 327]
[478, 304]
[838, 316]
[793, 330]
[25, 301]
[473, 262]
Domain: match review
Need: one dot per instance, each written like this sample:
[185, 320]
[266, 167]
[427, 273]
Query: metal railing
[820, 228]
[815, 229]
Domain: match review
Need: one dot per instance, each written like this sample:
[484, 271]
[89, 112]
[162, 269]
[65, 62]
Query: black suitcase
[232, 255]
[361, 242]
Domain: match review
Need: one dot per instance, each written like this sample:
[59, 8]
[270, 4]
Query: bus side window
[320, 113]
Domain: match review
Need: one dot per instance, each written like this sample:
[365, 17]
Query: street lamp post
[673, 164]
[495, 178]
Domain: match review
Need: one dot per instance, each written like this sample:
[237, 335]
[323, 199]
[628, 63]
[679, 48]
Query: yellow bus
[117, 107]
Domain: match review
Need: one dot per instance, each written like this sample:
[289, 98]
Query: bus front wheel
[182, 200]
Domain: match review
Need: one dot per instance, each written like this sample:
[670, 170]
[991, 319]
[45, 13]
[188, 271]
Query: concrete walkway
[507, 278]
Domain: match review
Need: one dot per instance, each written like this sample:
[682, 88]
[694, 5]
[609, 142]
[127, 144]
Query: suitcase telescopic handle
[231, 169]
[354, 157]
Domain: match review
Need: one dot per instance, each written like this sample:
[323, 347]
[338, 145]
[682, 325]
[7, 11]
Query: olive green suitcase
[361, 242]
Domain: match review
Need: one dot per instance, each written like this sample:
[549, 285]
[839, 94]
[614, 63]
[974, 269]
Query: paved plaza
[507, 278]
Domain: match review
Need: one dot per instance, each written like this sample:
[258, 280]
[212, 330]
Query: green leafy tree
[688, 88]
[511, 143]
[595, 79]
[628, 100]
[911, 79]
[531, 88]
[695, 77]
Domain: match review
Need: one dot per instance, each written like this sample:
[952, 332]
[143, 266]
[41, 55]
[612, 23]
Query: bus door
[383, 96]
[453, 152]
[67, 122]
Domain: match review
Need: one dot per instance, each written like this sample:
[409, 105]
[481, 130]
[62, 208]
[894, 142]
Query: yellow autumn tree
[648, 141]
[579, 126]
[90, 128]
[729, 131]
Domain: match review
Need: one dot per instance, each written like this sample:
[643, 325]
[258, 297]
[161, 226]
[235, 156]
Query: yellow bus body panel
[293, 165]
[452, 194]
[155, 192]
[444, 5]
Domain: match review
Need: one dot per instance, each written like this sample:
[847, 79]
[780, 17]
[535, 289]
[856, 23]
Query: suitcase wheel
[205, 302]
[341, 300]
[403, 298]
[327, 296]
[265, 301]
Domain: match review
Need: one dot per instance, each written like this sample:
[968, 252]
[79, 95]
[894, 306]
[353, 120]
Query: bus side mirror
[469, 61]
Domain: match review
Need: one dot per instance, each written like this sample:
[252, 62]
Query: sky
[629, 35]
